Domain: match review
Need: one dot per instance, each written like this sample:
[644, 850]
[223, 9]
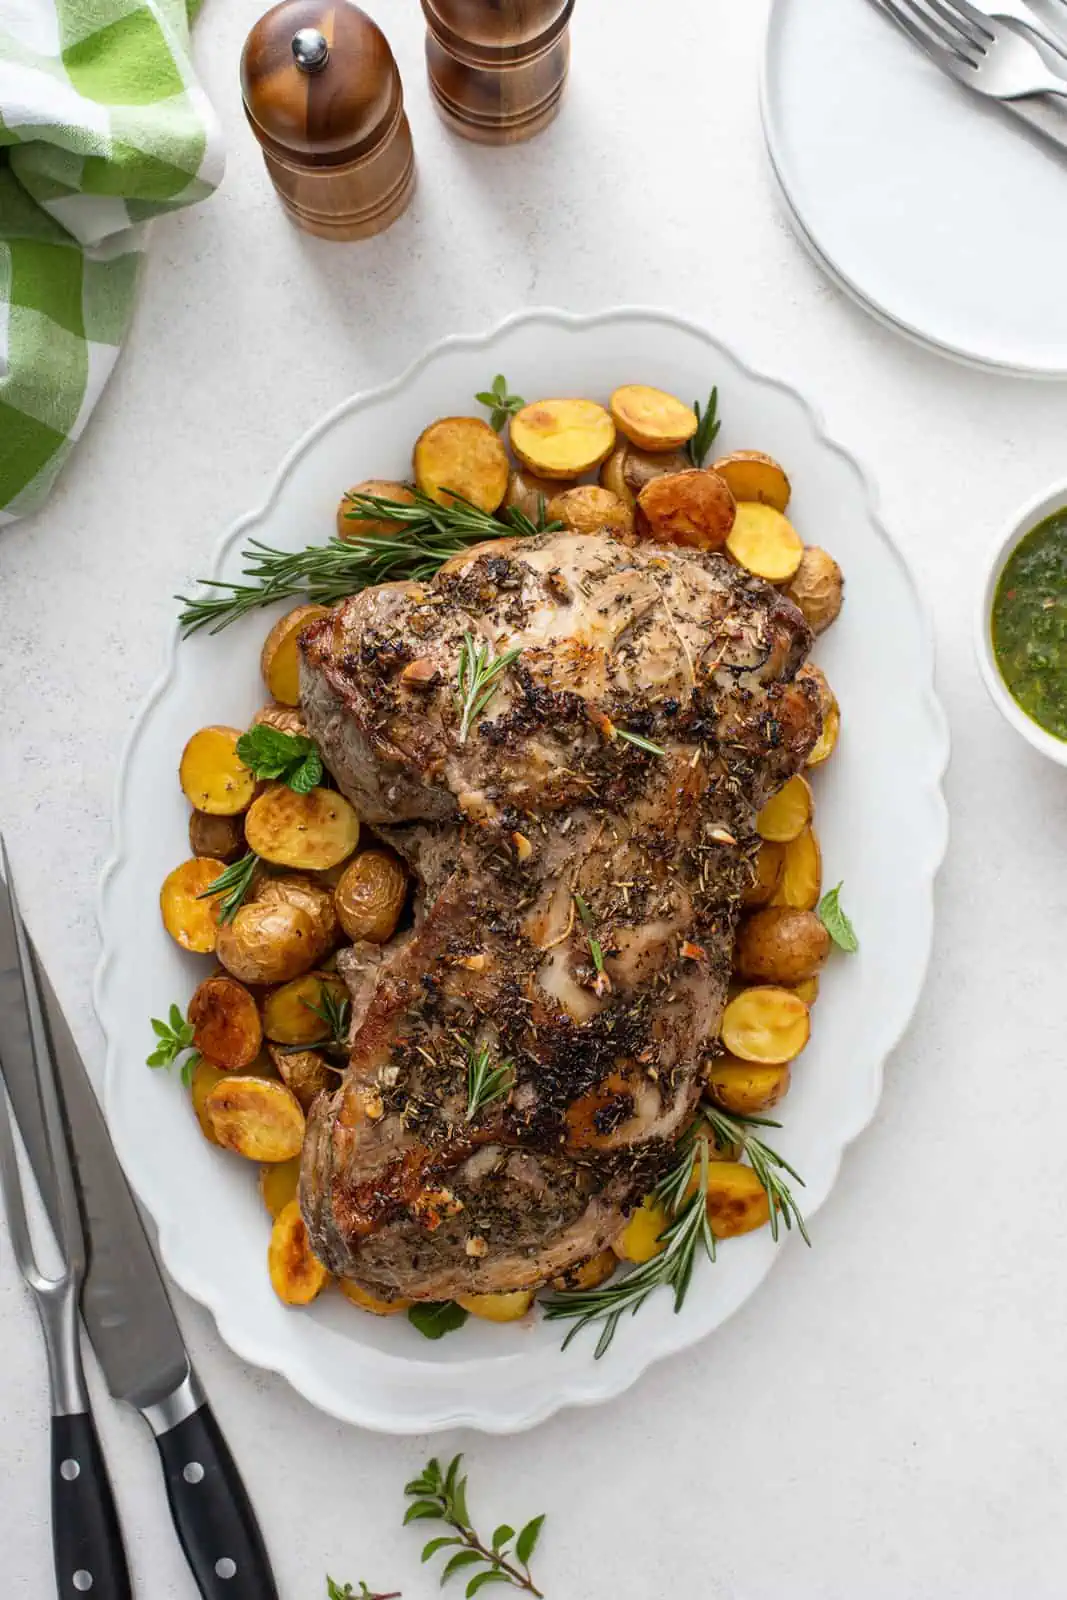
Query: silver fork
[1023, 12]
[985, 55]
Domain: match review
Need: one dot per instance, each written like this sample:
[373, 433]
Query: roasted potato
[296, 1273]
[462, 456]
[314, 898]
[652, 419]
[287, 719]
[817, 588]
[267, 943]
[782, 946]
[192, 922]
[497, 1307]
[226, 1026]
[831, 715]
[312, 831]
[212, 775]
[279, 660]
[764, 542]
[526, 491]
[258, 1118]
[205, 1076]
[627, 469]
[381, 489]
[768, 869]
[562, 438]
[745, 1087]
[589, 508]
[305, 1072]
[786, 813]
[808, 991]
[694, 509]
[371, 1302]
[288, 1017]
[752, 476]
[588, 1274]
[278, 1183]
[221, 838]
[737, 1201]
[641, 1238]
[801, 880]
[768, 1025]
[370, 896]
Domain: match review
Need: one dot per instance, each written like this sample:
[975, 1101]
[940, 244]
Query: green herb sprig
[175, 1038]
[766, 1163]
[428, 535]
[708, 425]
[435, 1318]
[289, 758]
[441, 1496]
[478, 677]
[501, 404]
[596, 949]
[335, 1592]
[334, 1014]
[832, 916]
[639, 742]
[232, 885]
[485, 1083]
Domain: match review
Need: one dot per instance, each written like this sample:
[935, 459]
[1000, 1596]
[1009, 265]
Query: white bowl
[1053, 499]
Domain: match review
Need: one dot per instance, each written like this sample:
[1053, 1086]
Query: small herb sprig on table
[289, 758]
[478, 679]
[335, 1592]
[832, 916]
[501, 404]
[699, 447]
[175, 1038]
[232, 885]
[441, 1496]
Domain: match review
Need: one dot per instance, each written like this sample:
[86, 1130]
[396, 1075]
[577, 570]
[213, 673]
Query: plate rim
[579, 1386]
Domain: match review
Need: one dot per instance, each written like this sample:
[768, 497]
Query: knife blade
[126, 1309]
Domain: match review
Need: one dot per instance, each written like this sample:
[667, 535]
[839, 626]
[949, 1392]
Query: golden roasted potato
[764, 542]
[278, 1183]
[371, 1302]
[205, 1076]
[737, 1201]
[226, 1026]
[296, 1273]
[786, 813]
[801, 880]
[768, 1025]
[808, 991]
[258, 1118]
[831, 715]
[769, 864]
[562, 438]
[526, 491]
[287, 719]
[589, 508]
[588, 1274]
[312, 831]
[746, 1087]
[380, 489]
[817, 588]
[754, 477]
[370, 896]
[267, 943]
[497, 1307]
[279, 660]
[288, 1017]
[694, 509]
[628, 469]
[212, 775]
[221, 838]
[314, 898]
[651, 418]
[782, 946]
[192, 922]
[462, 456]
[640, 1240]
[305, 1072]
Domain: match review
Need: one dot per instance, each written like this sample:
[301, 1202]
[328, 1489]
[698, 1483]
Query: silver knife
[126, 1309]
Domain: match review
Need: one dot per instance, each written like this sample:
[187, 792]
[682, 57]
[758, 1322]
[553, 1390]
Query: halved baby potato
[754, 477]
[212, 775]
[786, 813]
[267, 943]
[279, 660]
[305, 1072]
[349, 527]
[288, 1014]
[651, 418]
[746, 1087]
[370, 896]
[737, 1201]
[781, 945]
[258, 1118]
[192, 922]
[462, 456]
[769, 1025]
[295, 1272]
[765, 543]
[587, 1274]
[640, 1240]
[507, 1307]
[287, 719]
[526, 491]
[562, 438]
[221, 838]
[808, 991]
[312, 831]
[801, 882]
[768, 869]
[278, 1184]
[628, 469]
[313, 897]
[226, 1025]
[371, 1302]
[817, 588]
[694, 509]
[590, 508]
[205, 1076]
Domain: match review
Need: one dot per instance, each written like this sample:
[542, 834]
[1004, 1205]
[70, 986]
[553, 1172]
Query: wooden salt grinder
[497, 67]
[322, 93]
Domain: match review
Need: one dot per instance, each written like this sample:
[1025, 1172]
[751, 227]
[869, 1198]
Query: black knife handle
[86, 1538]
[212, 1512]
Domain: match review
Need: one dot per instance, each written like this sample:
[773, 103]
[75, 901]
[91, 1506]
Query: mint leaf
[290, 758]
[830, 913]
[435, 1318]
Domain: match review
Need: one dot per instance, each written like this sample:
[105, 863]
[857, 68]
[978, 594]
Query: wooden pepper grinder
[322, 93]
[497, 67]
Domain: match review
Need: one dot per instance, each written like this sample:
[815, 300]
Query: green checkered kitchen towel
[102, 126]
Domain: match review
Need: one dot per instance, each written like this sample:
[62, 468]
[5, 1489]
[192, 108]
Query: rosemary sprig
[485, 1083]
[766, 1163]
[334, 1014]
[639, 741]
[232, 885]
[290, 758]
[478, 679]
[335, 1592]
[441, 1496]
[175, 1038]
[708, 425]
[502, 404]
[429, 535]
[686, 1235]
[596, 949]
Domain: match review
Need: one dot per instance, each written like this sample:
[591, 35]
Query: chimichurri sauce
[1030, 624]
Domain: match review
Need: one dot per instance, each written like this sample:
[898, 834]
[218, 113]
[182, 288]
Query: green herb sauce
[1030, 624]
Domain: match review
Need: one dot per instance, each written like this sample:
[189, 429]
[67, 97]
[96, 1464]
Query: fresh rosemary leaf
[830, 913]
[699, 447]
[335, 1014]
[435, 1318]
[286, 757]
[766, 1163]
[485, 1083]
[478, 679]
[640, 742]
[442, 1496]
[232, 885]
[586, 915]
[501, 404]
[175, 1038]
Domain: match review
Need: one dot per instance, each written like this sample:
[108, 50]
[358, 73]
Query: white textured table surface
[886, 1419]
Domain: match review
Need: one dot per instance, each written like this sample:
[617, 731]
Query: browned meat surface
[544, 811]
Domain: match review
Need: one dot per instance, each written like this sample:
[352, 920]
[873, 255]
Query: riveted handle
[86, 1537]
